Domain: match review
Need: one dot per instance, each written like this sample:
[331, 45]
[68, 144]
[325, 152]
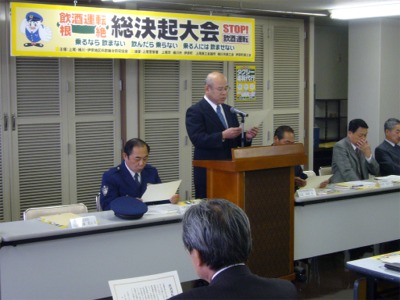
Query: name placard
[87, 221]
[303, 193]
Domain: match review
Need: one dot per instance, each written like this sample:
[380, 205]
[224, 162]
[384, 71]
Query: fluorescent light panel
[363, 12]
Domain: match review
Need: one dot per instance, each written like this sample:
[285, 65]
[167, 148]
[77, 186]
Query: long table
[373, 268]
[345, 220]
[42, 261]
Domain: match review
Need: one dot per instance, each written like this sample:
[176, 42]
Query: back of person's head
[279, 132]
[219, 230]
[391, 123]
[357, 123]
[135, 142]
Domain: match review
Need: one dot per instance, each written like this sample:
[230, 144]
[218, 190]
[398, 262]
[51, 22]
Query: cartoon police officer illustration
[34, 30]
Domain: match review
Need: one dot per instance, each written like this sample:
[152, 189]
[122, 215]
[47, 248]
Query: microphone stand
[242, 126]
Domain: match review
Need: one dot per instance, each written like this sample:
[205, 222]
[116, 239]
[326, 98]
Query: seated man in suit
[218, 237]
[388, 153]
[284, 135]
[131, 177]
[352, 157]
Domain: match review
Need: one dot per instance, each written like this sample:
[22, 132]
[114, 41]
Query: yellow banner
[74, 31]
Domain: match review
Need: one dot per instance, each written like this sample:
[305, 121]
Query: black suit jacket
[388, 158]
[239, 283]
[205, 132]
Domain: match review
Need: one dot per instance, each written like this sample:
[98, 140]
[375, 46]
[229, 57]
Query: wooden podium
[261, 181]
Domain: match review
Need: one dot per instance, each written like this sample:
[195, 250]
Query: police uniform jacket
[118, 182]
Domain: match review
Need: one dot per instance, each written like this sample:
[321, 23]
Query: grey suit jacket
[388, 158]
[346, 166]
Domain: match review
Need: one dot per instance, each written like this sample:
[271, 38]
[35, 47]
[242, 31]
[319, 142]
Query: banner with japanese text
[75, 31]
[245, 83]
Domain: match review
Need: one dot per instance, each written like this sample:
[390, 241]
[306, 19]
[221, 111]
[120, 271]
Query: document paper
[60, 220]
[255, 119]
[160, 191]
[158, 287]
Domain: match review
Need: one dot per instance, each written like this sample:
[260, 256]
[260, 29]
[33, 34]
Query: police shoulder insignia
[104, 190]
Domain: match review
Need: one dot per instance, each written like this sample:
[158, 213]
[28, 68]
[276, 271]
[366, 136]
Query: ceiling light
[363, 12]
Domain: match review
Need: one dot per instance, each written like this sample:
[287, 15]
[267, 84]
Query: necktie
[360, 161]
[136, 177]
[221, 116]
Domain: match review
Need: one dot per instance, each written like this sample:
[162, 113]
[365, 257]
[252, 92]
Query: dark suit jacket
[118, 182]
[239, 283]
[388, 158]
[346, 166]
[205, 132]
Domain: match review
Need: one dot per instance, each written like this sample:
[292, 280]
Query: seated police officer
[131, 177]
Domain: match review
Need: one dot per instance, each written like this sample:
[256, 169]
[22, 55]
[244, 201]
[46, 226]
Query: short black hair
[281, 130]
[357, 123]
[135, 142]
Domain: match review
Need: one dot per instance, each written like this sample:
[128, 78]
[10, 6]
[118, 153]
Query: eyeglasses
[223, 89]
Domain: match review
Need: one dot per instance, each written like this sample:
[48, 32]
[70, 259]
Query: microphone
[239, 112]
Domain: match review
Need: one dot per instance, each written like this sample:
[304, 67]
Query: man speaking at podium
[213, 129]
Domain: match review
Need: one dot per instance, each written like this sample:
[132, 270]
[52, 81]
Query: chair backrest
[310, 173]
[98, 205]
[36, 212]
[325, 170]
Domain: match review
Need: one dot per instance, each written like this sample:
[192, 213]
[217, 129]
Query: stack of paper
[313, 182]
[393, 257]
[355, 185]
[60, 220]
[392, 178]
[158, 286]
[163, 209]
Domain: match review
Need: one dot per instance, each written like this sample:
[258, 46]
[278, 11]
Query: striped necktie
[221, 116]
